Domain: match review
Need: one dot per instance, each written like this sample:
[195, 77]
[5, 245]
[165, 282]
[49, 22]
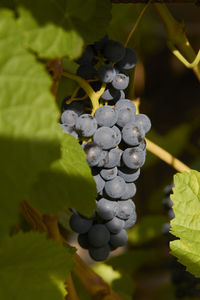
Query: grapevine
[99, 111]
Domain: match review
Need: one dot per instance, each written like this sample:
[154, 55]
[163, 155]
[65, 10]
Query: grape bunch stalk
[113, 138]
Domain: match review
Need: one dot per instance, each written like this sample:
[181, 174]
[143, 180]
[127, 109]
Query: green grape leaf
[33, 267]
[186, 224]
[68, 183]
[61, 28]
[149, 228]
[29, 136]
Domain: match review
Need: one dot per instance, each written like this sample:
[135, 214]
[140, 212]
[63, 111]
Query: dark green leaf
[29, 136]
[61, 28]
[32, 267]
[68, 183]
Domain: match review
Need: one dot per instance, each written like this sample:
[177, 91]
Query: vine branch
[94, 96]
[136, 23]
[182, 58]
[177, 40]
[166, 157]
[72, 295]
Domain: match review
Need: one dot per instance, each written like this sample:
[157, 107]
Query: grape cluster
[186, 285]
[113, 140]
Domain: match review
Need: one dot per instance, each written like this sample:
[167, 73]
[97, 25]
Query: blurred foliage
[149, 228]
[132, 260]
[127, 15]
[174, 142]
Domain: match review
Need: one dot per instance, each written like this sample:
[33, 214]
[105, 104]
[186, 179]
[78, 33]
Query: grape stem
[177, 40]
[177, 53]
[94, 96]
[166, 156]
[136, 23]
[73, 95]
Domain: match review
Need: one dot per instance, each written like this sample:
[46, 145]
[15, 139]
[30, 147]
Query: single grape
[128, 175]
[83, 240]
[167, 202]
[86, 125]
[106, 116]
[129, 192]
[87, 56]
[93, 152]
[133, 134]
[171, 214]
[114, 51]
[125, 115]
[86, 71]
[100, 183]
[100, 253]
[115, 225]
[126, 209]
[69, 130]
[98, 235]
[165, 228]
[107, 209]
[119, 239]
[118, 135]
[108, 174]
[124, 103]
[120, 81]
[105, 137]
[103, 159]
[69, 117]
[80, 224]
[128, 61]
[168, 189]
[106, 73]
[131, 220]
[133, 158]
[143, 121]
[115, 187]
[142, 145]
[113, 158]
[110, 93]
